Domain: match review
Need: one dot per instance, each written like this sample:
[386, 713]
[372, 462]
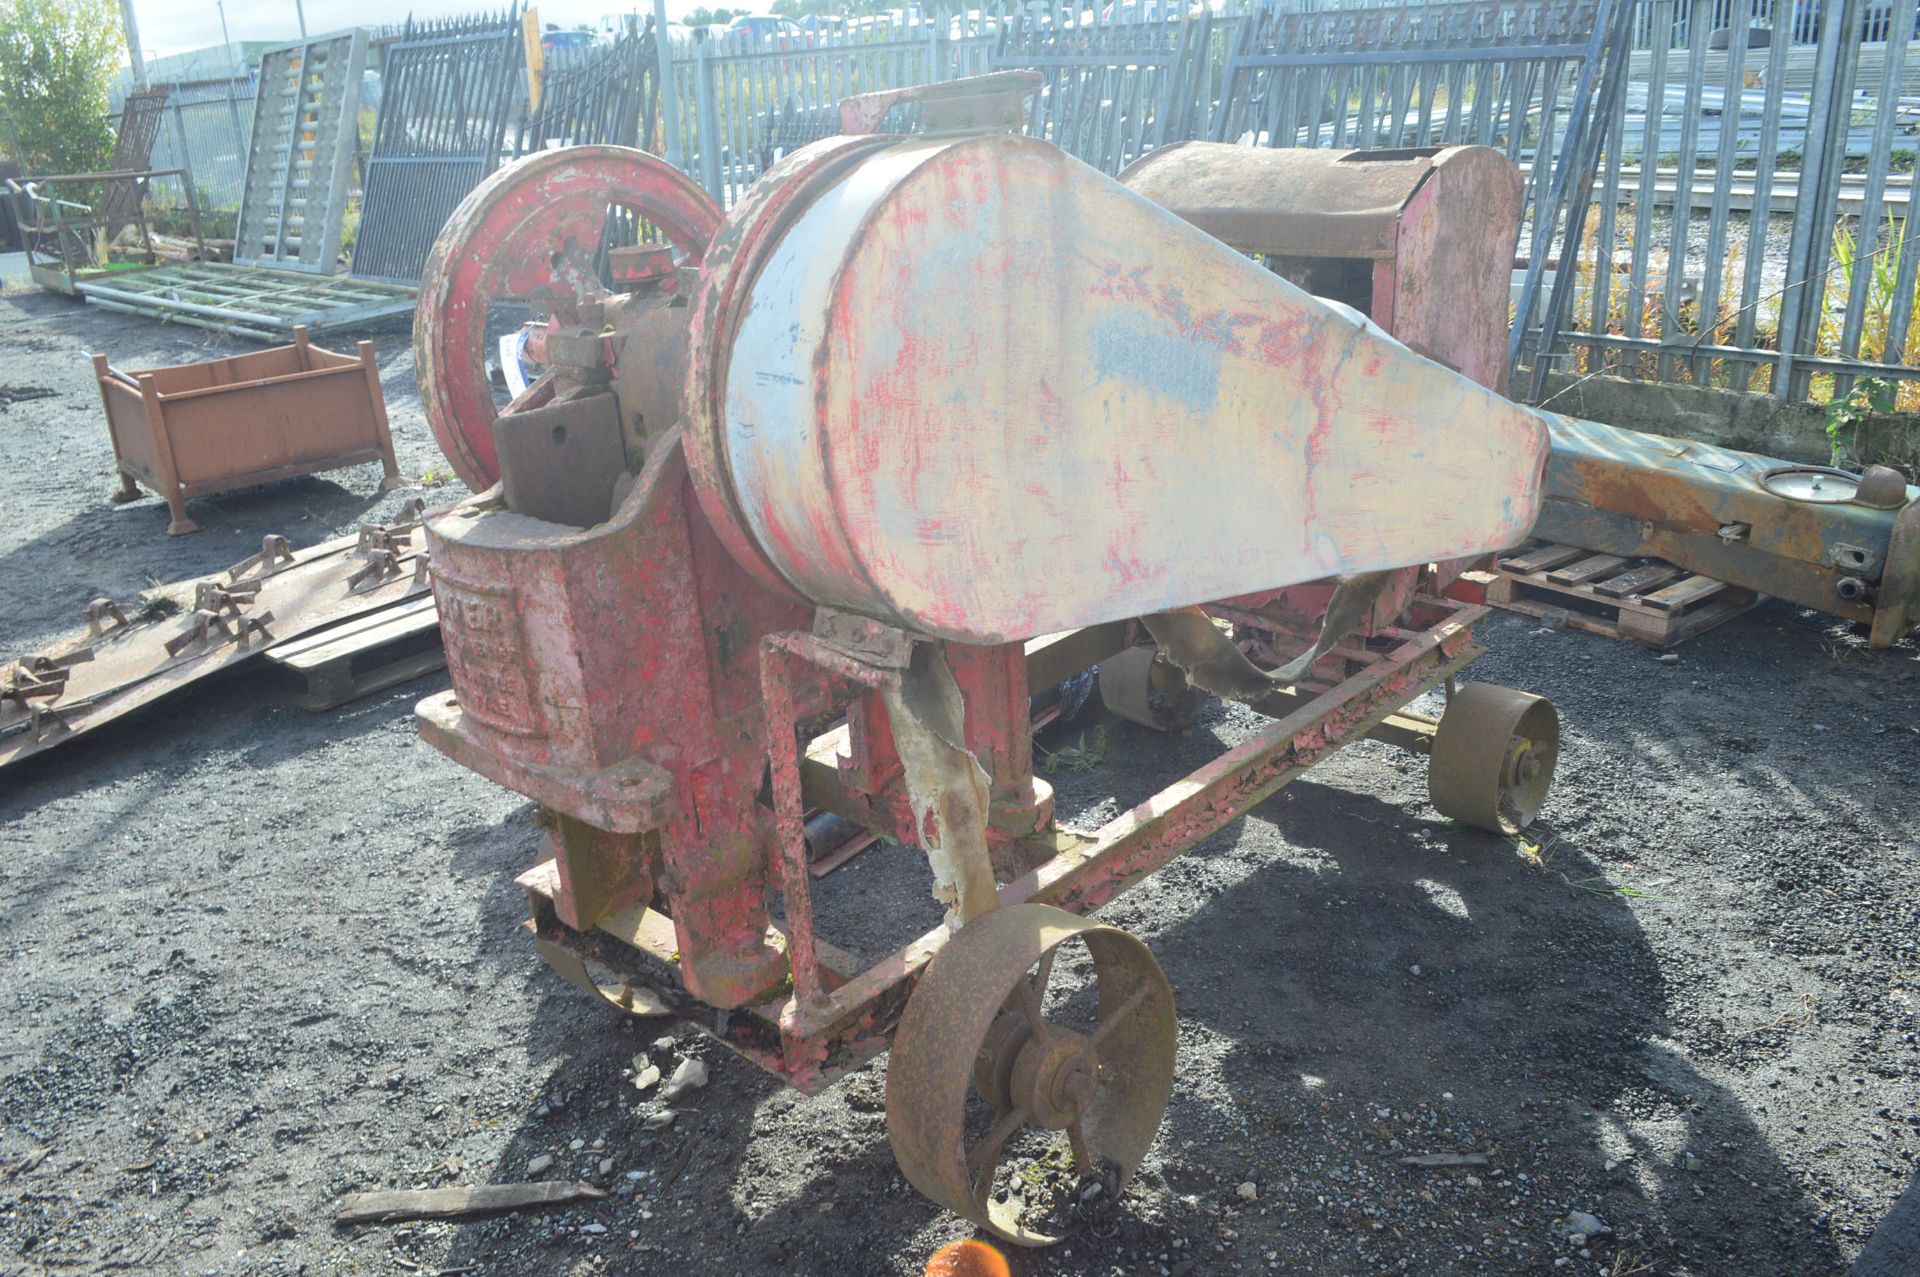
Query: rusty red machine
[809, 499]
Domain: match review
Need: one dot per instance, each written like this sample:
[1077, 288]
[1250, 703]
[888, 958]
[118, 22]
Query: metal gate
[608, 99]
[301, 157]
[445, 101]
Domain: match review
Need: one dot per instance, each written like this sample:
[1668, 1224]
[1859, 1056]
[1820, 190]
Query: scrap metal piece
[42, 719]
[213, 596]
[1493, 757]
[946, 784]
[21, 683]
[250, 627]
[1144, 687]
[1106, 1088]
[1823, 538]
[626, 998]
[180, 633]
[975, 103]
[1213, 662]
[458, 1203]
[559, 461]
[203, 625]
[380, 565]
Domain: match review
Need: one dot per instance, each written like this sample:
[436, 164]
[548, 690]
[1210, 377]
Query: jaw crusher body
[797, 515]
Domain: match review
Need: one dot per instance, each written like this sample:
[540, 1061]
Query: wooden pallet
[1647, 600]
[365, 656]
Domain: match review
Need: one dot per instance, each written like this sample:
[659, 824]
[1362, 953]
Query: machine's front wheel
[1493, 757]
[978, 1025]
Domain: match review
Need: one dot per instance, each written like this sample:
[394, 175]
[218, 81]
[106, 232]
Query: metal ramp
[299, 161]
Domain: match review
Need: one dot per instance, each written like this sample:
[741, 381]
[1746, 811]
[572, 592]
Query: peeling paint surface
[984, 392]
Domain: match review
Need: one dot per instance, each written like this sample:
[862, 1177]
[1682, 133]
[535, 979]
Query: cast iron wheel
[1493, 757]
[977, 1023]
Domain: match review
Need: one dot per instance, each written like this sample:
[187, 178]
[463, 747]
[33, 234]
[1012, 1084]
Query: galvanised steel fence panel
[206, 126]
[300, 160]
[445, 102]
[737, 103]
[1797, 302]
[1117, 82]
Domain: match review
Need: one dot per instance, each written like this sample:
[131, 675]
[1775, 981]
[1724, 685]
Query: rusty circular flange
[533, 229]
[1493, 757]
[976, 1020]
[756, 225]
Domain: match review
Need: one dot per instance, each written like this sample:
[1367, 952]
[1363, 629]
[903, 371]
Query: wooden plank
[1541, 557]
[1586, 569]
[1636, 580]
[453, 1203]
[1684, 592]
[415, 616]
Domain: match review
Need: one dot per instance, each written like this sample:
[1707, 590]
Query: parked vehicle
[765, 31]
[561, 49]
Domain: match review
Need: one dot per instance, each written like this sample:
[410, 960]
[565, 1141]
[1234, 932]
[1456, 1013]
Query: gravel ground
[254, 958]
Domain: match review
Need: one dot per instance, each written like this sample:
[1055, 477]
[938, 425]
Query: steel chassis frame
[838, 1013]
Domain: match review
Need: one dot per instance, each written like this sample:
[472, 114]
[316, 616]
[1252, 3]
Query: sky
[179, 26]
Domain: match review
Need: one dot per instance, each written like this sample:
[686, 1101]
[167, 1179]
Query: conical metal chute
[975, 389]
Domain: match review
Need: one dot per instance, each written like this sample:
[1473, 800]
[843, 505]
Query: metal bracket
[99, 612]
[380, 565]
[274, 555]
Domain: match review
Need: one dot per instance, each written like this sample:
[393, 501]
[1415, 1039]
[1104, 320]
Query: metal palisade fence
[1718, 189]
[1751, 225]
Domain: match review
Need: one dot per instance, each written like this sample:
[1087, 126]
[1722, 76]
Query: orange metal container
[197, 429]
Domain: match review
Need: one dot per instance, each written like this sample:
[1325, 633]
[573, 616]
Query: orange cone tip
[967, 1258]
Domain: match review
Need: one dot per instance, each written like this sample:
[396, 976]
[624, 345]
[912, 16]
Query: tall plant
[56, 59]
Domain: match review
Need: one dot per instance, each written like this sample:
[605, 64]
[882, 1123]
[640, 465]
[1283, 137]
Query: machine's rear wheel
[1493, 757]
[977, 1023]
[1143, 689]
[533, 232]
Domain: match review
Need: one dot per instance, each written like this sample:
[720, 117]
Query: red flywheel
[532, 231]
